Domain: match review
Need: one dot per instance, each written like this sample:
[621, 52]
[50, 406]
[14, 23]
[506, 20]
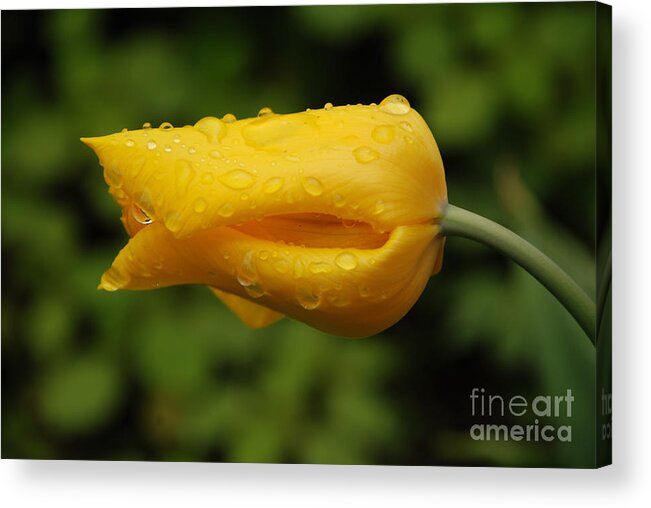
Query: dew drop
[151, 145]
[215, 154]
[312, 186]
[229, 118]
[364, 154]
[292, 158]
[339, 299]
[124, 129]
[247, 273]
[383, 134]
[140, 215]
[237, 179]
[364, 291]
[130, 143]
[173, 222]
[167, 148]
[183, 175]
[200, 205]
[409, 140]
[176, 139]
[266, 111]
[338, 200]
[395, 105]
[299, 269]
[406, 126]
[280, 265]
[346, 261]
[272, 185]
[226, 210]
[254, 290]
[192, 150]
[319, 267]
[263, 255]
[213, 128]
[307, 297]
[328, 106]
[166, 126]
[113, 175]
[244, 196]
[146, 125]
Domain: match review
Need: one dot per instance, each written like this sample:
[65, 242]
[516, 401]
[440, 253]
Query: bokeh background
[509, 92]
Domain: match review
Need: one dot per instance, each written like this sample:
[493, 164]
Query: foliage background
[508, 90]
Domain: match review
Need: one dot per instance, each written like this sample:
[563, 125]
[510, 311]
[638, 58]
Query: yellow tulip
[328, 216]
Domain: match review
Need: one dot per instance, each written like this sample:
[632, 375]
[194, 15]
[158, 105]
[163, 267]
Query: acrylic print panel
[332, 217]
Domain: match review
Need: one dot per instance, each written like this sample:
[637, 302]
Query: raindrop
[266, 111]
[176, 139]
[395, 105]
[215, 154]
[166, 126]
[263, 255]
[409, 140]
[173, 222]
[312, 186]
[272, 185]
[140, 215]
[192, 150]
[200, 205]
[167, 148]
[364, 291]
[346, 261]
[213, 128]
[183, 175]
[338, 200]
[406, 126]
[254, 290]
[208, 178]
[146, 125]
[229, 118]
[226, 210]
[320, 267]
[306, 297]
[292, 158]
[124, 129]
[130, 143]
[299, 269]
[339, 299]
[237, 179]
[151, 145]
[281, 265]
[247, 275]
[364, 154]
[383, 134]
[328, 106]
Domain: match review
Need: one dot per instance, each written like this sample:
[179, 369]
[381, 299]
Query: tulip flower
[328, 216]
[335, 217]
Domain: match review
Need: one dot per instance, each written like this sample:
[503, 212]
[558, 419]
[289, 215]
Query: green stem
[459, 222]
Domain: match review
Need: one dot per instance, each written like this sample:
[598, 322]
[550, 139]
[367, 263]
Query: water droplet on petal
[312, 186]
[146, 125]
[113, 175]
[409, 140]
[364, 291]
[320, 267]
[272, 185]
[328, 106]
[124, 129]
[263, 255]
[192, 150]
[130, 143]
[383, 134]
[176, 138]
[395, 105]
[167, 148]
[299, 269]
[213, 128]
[364, 154]
[339, 299]
[166, 126]
[307, 297]
[140, 215]
[266, 111]
[200, 205]
[226, 210]
[346, 261]
[183, 175]
[280, 265]
[406, 126]
[151, 145]
[215, 154]
[237, 179]
[338, 200]
[173, 222]
[292, 158]
[254, 290]
[229, 118]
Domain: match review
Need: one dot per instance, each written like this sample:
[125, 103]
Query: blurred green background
[509, 92]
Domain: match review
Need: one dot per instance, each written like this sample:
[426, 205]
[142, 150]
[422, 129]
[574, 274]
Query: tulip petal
[361, 163]
[346, 291]
[251, 314]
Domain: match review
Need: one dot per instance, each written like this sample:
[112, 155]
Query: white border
[110, 484]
